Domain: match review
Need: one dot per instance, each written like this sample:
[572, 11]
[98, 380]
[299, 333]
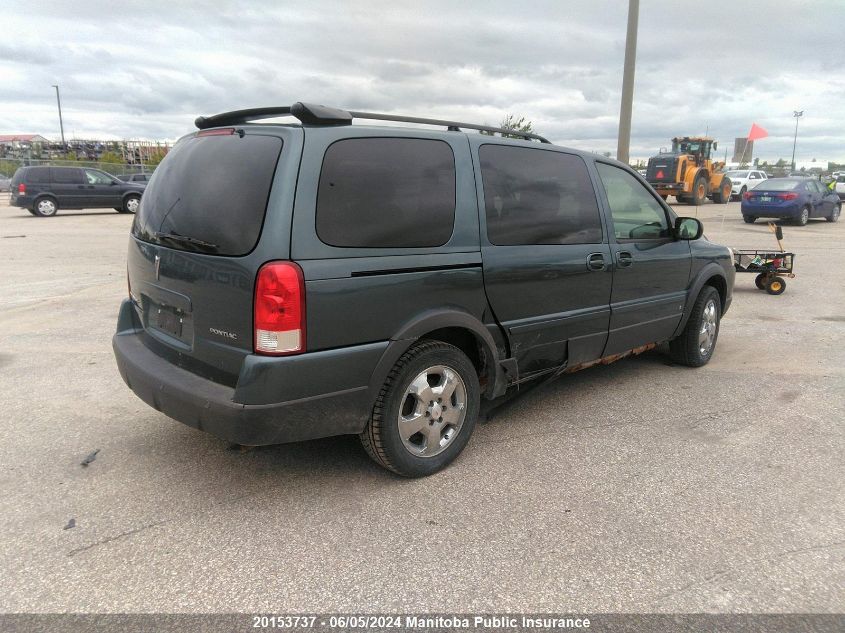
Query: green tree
[511, 122]
[154, 158]
[111, 158]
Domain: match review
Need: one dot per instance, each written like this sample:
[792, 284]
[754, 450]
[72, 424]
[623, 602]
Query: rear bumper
[668, 187]
[319, 394]
[791, 211]
[21, 201]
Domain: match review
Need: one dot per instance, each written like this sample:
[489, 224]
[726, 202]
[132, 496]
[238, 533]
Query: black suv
[45, 190]
[297, 281]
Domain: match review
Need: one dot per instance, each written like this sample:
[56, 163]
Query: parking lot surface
[637, 487]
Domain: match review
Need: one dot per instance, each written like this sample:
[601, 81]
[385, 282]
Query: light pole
[61, 124]
[797, 114]
[624, 142]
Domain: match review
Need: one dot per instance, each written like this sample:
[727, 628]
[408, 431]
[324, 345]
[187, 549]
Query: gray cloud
[145, 70]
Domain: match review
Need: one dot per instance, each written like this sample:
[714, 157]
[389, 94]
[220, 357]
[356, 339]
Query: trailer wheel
[776, 286]
[760, 281]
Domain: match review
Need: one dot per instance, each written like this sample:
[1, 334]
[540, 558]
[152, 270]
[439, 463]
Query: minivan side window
[534, 196]
[637, 215]
[386, 193]
[38, 174]
[67, 176]
[97, 177]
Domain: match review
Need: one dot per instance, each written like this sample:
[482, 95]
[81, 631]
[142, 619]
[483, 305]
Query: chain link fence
[8, 166]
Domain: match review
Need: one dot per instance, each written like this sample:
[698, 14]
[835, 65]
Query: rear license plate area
[765, 198]
[167, 320]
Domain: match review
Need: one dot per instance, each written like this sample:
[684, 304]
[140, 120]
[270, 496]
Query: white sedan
[744, 179]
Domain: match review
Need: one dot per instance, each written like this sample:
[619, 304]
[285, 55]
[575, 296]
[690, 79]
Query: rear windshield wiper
[184, 239]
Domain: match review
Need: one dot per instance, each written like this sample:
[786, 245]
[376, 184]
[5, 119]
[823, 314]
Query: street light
[797, 114]
[624, 141]
[61, 124]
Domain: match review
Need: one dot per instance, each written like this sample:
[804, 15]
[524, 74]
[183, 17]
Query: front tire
[425, 412]
[45, 207]
[694, 347]
[723, 195]
[699, 191]
[130, 204]
[802, 219]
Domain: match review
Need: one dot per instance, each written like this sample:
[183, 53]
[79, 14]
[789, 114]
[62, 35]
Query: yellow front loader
[688, 173]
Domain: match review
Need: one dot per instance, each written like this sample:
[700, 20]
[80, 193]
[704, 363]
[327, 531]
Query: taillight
[21, 189]
[279, 309]
[787, 196]
[746, 195]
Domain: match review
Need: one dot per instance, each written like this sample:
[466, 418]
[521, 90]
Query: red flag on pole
[756, 132]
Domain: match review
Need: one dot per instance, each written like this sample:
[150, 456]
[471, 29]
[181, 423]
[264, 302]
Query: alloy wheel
[707, 333]
[433, 411]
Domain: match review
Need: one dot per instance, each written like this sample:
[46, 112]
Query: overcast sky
[147, 69]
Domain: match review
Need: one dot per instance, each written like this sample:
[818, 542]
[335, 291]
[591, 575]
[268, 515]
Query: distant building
[11, 139]
[743, 151]
[21, 145]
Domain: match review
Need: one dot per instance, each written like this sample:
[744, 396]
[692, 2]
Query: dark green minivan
[298, 280]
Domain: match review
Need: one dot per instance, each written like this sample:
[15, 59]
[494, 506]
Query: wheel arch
[452, 326]
[711, 275]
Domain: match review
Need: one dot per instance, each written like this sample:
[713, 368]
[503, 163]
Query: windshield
[209, 194]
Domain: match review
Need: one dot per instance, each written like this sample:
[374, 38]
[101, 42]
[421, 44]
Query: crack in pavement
[78, 550]
[722, 572]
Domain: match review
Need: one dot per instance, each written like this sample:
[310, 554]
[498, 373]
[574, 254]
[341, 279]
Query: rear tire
[776, 286]
[695, 346]
[699, 191]
[834, 215]
[130, 204]
[413, 432]
[45, 207]
[749, 219]
[802, 219]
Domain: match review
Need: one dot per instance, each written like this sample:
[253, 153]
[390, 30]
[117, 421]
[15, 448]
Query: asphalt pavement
[634, 487]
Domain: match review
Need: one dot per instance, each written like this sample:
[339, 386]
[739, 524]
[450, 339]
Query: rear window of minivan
[212, 190]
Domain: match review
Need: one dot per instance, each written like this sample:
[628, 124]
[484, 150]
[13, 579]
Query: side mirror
[715, 146]
[688, 229]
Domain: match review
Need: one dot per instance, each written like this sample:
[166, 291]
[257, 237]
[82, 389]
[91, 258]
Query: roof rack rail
[311, 114]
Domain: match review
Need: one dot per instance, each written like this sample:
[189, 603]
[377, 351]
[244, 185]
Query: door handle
[595, 261]
[624, 259]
